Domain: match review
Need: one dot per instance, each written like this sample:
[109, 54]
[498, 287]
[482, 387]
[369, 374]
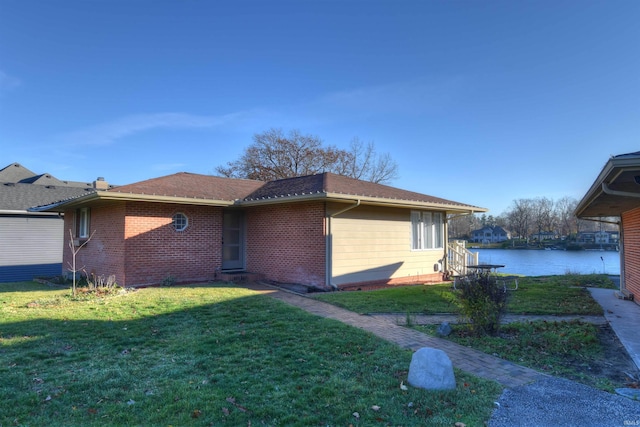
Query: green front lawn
[553, 295]
[574, 350]
[205, 355]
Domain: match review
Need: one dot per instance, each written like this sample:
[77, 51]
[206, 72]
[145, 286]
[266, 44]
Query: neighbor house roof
[15, 172]
[21, 188]
[20, 197]
[18, 174]
[495, 229]
[615, 190]
[188, 188]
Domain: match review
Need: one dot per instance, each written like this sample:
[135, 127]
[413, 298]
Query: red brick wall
[103, 255]
[286, 243]
[137, 243]
[631, 236]
[155, 250]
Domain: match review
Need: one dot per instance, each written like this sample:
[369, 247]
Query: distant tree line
[527, 217]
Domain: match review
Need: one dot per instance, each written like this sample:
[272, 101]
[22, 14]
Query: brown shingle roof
[191, 185]
[186, 187]
[329, 183]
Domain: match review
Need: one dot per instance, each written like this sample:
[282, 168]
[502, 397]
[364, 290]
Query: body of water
[530, 262]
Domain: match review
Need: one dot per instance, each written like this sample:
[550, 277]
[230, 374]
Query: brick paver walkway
[467, 359]
[436, 319]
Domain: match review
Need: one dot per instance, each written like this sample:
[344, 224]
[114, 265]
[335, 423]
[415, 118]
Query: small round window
[180, 221]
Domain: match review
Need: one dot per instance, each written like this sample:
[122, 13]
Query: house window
[180, 221]
[82, 223]
[427, 230]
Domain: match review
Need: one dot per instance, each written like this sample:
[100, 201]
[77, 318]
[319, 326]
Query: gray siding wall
[30, 245]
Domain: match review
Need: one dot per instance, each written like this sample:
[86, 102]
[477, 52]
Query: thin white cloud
[110, 132]
[8, 82]
[399, 97]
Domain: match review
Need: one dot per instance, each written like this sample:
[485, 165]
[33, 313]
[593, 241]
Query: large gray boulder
[431, 369]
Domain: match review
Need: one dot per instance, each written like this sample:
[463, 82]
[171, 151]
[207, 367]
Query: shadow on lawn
[151, 358]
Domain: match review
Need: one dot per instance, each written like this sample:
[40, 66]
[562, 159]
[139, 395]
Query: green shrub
[168, 280]
[482, 302]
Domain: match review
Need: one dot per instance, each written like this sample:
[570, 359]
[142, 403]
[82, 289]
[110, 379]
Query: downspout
[329, 245]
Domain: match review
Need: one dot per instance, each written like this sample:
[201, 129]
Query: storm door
[233, 241]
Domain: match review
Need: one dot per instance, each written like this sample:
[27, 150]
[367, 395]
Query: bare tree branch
[74, 252]
[274, 155]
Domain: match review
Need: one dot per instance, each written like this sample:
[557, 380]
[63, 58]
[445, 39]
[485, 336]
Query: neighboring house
[616, 193]
[31, 242]
[489, 234]
[544, 235]
[605, 237]
[325, 231]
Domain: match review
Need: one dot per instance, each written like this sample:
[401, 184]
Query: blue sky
[481, 102]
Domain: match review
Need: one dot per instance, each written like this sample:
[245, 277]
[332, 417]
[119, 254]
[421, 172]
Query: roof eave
[366, 200]
[25, 212]
[108, 196]
[399, 203]
[155, 198]
[614, 167]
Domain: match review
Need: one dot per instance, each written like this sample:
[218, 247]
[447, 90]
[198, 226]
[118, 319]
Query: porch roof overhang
[616, 189]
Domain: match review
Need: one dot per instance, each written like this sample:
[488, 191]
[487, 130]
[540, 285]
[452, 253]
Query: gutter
[329, 244]
[604, 221]
[26, 212]
[610, 172]
[369, 200]
[607, 190]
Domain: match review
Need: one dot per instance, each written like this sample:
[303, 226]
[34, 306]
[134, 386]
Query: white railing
[459, 257]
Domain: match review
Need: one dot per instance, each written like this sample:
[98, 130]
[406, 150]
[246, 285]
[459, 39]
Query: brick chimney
[100, 184]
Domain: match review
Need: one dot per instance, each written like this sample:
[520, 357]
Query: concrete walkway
[623, 317]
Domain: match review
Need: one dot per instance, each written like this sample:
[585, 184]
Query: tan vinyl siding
[373, 244]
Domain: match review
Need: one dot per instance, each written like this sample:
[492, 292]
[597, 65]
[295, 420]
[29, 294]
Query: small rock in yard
[444, 330]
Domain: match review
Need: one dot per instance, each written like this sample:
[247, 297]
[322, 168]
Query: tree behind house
[276, 155]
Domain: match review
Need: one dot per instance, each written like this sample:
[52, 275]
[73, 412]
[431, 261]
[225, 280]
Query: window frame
[83, 221]
[427, 230]
[184, 219]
